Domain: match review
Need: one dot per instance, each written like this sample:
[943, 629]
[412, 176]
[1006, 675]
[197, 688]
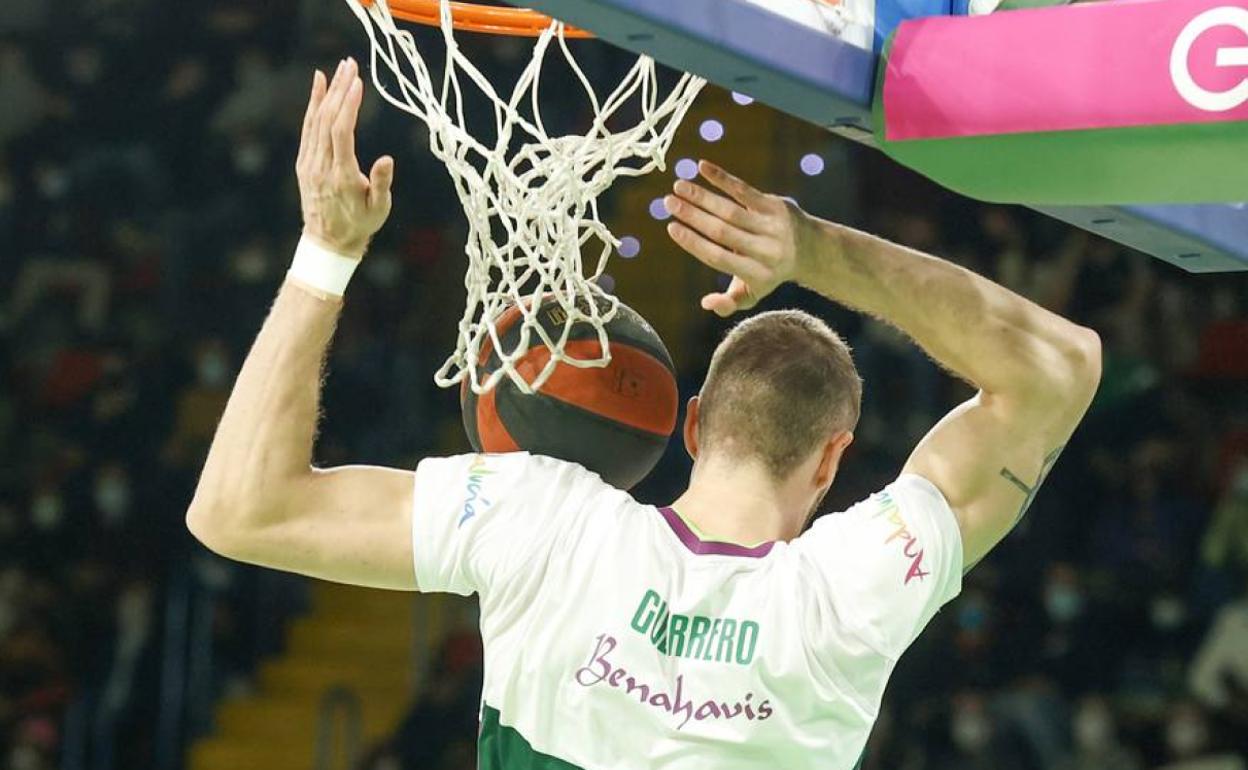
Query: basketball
[614, 420]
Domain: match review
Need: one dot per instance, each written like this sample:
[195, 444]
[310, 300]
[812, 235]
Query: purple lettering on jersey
[680, 705]
[599, 669]
[586, 675]
[731, 711]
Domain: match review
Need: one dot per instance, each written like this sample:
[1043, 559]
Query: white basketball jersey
[615, 638]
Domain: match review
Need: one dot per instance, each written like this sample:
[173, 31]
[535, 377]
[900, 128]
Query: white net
[531, 199]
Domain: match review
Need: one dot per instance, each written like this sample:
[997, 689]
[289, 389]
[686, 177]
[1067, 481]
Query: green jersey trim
[503, 748]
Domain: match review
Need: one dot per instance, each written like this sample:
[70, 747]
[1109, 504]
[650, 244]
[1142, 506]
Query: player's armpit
[348, 525]
[990, 456]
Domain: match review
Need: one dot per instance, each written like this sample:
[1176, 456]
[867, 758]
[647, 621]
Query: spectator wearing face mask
[112, 494]
[1096, 745]
[979, 741]
[123, 530]
[1070, 632]
[200, 405]
[1190, 744]
[46, 513]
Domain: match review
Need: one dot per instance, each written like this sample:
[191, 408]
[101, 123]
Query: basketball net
[531, 199]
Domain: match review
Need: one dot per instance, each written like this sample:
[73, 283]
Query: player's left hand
[758, 239]
[342, 208]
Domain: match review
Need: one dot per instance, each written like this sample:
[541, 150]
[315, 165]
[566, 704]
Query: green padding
[1018, 5]
[1148, 164]
[1152, 164]
[502, 748]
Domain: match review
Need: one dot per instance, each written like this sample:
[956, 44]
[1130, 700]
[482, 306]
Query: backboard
[819, 63]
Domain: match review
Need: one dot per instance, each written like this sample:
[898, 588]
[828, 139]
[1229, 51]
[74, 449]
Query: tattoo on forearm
[1030, 491]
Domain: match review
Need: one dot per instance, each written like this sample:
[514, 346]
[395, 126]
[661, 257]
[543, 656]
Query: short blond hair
[780, 384]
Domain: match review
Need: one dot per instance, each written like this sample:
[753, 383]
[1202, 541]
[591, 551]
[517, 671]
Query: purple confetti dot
[686, 168]
[723, 281]
[741, 98]
[711, 130]
[607, 282]
[629, 247]
[658, 210]
[811, 164]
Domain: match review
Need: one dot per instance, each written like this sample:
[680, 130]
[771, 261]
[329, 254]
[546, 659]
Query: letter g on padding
[1191, 91]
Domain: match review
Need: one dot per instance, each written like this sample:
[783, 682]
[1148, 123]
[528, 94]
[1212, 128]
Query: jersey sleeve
[884, 567]
[477, 519]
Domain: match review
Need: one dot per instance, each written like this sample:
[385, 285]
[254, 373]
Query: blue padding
[1222, 228]
[1206, 238]
[738, 45]
[890, 13]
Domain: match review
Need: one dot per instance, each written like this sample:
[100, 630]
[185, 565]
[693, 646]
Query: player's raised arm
[259, 500]
[1036, 372]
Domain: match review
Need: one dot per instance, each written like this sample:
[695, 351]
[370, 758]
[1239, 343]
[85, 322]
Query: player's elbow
[225, 524]
[1064, 376]
[209, 522]
[1082, 352]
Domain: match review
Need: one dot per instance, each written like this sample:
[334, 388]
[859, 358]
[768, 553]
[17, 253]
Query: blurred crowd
[147, 213]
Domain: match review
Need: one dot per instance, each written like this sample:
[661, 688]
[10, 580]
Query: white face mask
[383, 271]
[1167, 613]
[1185, 736]
[1063, 603]
[112, 498]
[52, 182]
[1093, 730]
[84, 66]
[46, 511]
[970, 732]
[250, 158]
[212, 370]
[250, 264]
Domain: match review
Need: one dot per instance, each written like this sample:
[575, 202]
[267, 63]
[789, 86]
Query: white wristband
[321, 269]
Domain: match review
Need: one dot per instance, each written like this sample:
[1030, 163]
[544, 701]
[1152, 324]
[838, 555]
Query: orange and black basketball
[616, 420]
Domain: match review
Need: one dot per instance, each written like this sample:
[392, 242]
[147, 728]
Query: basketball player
[715, 633]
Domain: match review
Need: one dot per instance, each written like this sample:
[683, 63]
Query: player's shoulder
[555, 470]
[907, 498]
[533, 471]
[919, 491]
[910, 491]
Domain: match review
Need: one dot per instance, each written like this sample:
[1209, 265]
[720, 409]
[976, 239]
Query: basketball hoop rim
[478, 17]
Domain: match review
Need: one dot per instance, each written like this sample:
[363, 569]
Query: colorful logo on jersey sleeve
[474, 499]
[900, 533]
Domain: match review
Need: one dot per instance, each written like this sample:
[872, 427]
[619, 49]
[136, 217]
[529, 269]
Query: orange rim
[472, 17]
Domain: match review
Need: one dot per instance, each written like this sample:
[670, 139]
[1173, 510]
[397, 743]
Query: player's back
[616, 637]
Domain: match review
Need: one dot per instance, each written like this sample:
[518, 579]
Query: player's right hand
[342, 208]
[758, 239]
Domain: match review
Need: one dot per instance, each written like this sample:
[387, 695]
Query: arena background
[147, 214]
